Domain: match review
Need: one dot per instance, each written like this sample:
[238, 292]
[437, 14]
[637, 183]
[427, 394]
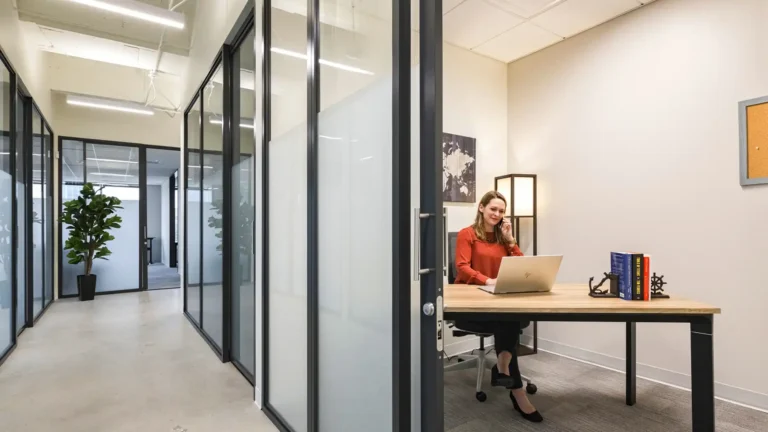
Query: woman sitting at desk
[479, 250]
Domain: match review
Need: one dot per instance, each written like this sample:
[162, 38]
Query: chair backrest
[452, 273]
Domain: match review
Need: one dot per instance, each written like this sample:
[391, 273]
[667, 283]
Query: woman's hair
[479, 224]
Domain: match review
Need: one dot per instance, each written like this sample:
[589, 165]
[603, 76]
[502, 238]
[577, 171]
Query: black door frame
[140, 234]
[431, 204]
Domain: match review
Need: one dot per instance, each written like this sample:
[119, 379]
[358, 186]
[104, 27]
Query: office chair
[478, 361]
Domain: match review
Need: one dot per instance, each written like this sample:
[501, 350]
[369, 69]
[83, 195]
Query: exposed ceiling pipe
[177, 6]
[158, 56]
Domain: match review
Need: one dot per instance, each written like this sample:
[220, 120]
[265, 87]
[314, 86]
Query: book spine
[619, 268]
[646, 278]
[626, 276]
[637, 276]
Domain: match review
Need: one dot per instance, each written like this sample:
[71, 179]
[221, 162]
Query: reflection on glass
[287, 213]
[115, 169]
[6, 213]
[161, 168]
[242, 217]
[72, 178]
[355, 172]
[213, 199]
[21, 219]
[38, 258]
[193, 215]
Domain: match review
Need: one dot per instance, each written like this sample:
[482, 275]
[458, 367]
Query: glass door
[159, 221]
[114, 170]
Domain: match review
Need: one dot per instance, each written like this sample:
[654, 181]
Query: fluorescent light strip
[195, 166]
[111, 174]
[108, 105]
[111, 160]
[322, 62]
[220, 122]
[138, 10]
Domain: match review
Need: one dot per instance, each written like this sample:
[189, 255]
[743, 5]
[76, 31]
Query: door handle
[445, 243]
[417, 270]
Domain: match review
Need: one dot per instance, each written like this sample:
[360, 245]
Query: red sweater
[477, 260]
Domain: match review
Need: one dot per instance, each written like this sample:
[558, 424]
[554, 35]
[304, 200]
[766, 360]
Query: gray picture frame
[743, 151]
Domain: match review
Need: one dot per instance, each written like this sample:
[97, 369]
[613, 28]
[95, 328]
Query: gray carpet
[160, 276]
[578, 397]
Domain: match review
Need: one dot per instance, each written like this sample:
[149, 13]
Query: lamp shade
[504, 186]
[523, 201]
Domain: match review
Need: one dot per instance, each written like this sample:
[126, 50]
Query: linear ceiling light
[341, 66]
[112, 160]
[111, 174]
[138, 10]
[242, 123]
[109, 105]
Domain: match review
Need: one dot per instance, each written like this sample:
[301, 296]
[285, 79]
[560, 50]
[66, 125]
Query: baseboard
[725, 392]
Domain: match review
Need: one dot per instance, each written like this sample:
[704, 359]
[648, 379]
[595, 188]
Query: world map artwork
[459, 181]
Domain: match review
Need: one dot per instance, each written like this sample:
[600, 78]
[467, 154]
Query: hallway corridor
[122, 363]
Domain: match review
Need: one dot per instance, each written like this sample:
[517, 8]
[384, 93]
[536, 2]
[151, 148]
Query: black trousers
[506, 335]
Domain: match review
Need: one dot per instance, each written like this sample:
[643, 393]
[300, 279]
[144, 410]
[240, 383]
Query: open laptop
[526, 274]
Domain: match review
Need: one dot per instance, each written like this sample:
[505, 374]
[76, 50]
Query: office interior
[294, 180]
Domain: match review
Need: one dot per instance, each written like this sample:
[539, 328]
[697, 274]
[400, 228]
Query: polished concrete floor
[122, 363]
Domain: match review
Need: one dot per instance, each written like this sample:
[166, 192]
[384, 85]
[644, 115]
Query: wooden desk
[571, 302]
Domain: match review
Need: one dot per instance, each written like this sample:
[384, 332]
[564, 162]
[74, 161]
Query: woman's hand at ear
[506, 231]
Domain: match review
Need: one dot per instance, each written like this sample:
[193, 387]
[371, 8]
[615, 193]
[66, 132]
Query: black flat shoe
[534, 417]
[499, 379]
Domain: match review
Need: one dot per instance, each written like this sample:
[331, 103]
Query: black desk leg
[631, 365]
[702, 376]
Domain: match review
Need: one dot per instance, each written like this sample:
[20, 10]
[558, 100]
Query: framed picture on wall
[753, 141]
[459, 168]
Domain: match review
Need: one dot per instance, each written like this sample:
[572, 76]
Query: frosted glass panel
[193, 216]
[213, 199]
[6, 213]
[115, 169]
[38, 258]
[287, 213]
[355, 194]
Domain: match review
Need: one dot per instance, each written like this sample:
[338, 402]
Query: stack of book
[633, 270]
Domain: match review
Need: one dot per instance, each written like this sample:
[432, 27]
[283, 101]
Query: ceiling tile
[518, 42]
[575, 16]
[476, 21]
[524, 8]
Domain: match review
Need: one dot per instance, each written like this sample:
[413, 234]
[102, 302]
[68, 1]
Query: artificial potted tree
[89, 219]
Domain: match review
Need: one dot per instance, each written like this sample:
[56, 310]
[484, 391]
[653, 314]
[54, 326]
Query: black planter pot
[86, 285]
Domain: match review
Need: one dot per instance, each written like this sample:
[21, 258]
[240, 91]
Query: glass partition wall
[26, 211]
[140, 177]
[219, 197]
[315, 233]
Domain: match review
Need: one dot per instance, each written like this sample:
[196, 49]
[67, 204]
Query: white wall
[81, 122]
[632, 128]
[474, 105]
[27, 59]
